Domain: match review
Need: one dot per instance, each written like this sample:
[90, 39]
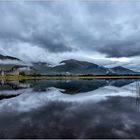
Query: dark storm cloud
[122, 49]
[109, 27]
[31, 23]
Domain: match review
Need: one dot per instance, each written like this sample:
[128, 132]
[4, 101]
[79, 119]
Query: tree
[22, 73]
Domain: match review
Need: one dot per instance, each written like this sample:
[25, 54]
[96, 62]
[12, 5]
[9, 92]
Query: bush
[22, 73]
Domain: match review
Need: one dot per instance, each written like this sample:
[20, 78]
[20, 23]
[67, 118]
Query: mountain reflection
[68, 86]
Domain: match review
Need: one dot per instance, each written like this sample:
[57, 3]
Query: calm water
[70, 109]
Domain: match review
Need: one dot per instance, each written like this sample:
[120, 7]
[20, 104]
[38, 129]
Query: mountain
[66, 67]
[2, 57]
[42, 67]
[9, 63]
[76, 67]
[122, 70]
[72, 67]
[79, 67]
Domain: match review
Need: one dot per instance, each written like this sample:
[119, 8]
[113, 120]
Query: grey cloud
[23, 23]
[122, 49]
[108, 28]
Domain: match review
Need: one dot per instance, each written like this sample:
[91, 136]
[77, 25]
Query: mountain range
[73, 67]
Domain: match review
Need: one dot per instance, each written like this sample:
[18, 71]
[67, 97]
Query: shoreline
[69, 77]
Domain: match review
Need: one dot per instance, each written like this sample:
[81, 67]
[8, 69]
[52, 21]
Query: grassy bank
[70, 77]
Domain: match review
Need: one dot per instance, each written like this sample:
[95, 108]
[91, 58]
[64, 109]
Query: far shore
[47, 77]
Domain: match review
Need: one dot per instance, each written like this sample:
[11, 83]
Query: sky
[103, 32]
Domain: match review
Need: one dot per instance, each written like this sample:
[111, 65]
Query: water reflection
[70, 109]
[138, 95]
[68, 86]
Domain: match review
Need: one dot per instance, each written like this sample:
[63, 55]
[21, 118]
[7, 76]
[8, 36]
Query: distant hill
[2, 57]
[122, 70]
[72, 67]
[79, 67]
[76, 67]
[66, 67]
[9, 63]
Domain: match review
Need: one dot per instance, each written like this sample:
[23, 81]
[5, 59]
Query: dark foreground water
[70, 109]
